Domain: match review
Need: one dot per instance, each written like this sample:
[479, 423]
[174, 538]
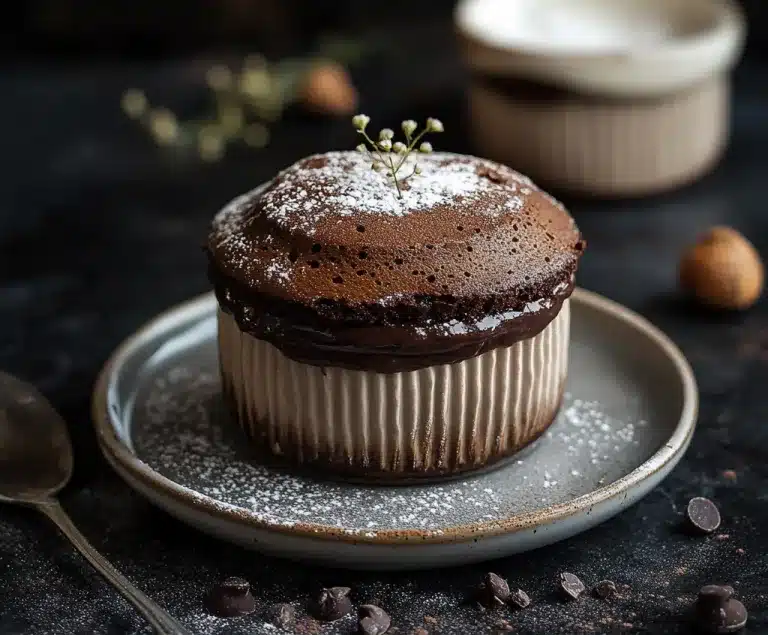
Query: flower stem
[394, 177]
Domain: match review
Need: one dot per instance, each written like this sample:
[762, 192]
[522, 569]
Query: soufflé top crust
[331, 266]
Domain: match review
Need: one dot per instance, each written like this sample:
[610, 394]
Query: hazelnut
[723, 270]
[327, 88]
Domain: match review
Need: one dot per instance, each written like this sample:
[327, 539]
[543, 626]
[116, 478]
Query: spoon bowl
[35, 451]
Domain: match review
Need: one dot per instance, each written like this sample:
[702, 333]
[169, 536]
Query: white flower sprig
[389, 155]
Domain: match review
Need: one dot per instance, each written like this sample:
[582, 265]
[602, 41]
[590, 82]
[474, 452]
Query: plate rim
[116, 451]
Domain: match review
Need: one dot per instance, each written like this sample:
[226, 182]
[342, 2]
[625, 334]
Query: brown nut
[723, 270]
[327, 88]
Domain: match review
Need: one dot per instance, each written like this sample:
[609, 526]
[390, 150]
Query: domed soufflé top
[330, 265]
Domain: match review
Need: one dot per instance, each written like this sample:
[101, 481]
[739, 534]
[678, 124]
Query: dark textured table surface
[99, 231]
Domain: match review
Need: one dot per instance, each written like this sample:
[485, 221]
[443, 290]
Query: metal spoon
[35, 463]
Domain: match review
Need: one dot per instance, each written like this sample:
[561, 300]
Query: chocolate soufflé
[394, 337]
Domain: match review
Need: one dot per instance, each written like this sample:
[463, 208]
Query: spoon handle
[161, 621]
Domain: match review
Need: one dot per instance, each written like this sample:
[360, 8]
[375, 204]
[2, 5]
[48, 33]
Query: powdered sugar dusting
[229, 222]
[464, 226]
[343, 184]
[179, 429]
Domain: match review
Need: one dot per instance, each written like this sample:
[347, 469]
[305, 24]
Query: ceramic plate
[628, 416]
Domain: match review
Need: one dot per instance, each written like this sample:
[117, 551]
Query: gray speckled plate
[628, 416]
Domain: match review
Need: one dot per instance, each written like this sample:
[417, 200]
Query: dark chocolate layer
[385, 342]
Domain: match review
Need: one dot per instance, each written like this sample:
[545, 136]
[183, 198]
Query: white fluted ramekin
[433, 421]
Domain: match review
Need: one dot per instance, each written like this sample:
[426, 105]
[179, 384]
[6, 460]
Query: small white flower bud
[386, 133]
[385, 144]
[361, 148]
[434, 125]
[360, 122]
[399, 147]
[376, 167]
[425, 147]
[417, 170]
[409, 127]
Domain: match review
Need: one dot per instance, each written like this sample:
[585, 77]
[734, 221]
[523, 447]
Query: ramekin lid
[614, 48]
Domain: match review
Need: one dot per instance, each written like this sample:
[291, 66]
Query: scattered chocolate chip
[493, 591]
[372, 620]
[503, 626]
[282, 615]
[430, 620]
[718, 612]
[332, 604]
[605, 590]
[519, 599]
[231, 598]
[714, 594]
[702, 515]
[571, 585]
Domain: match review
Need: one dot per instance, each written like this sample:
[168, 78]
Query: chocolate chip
[231, 598]
[332, 604]
[282, 615]
[519, 599]
[493, 591]
[605, 590]
[702, 515]
[714, 594]
[372, 620]
[718, 612]
[571, 586]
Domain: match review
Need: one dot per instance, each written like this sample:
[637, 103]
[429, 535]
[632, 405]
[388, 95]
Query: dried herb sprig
[386, 155]
[248, 100]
